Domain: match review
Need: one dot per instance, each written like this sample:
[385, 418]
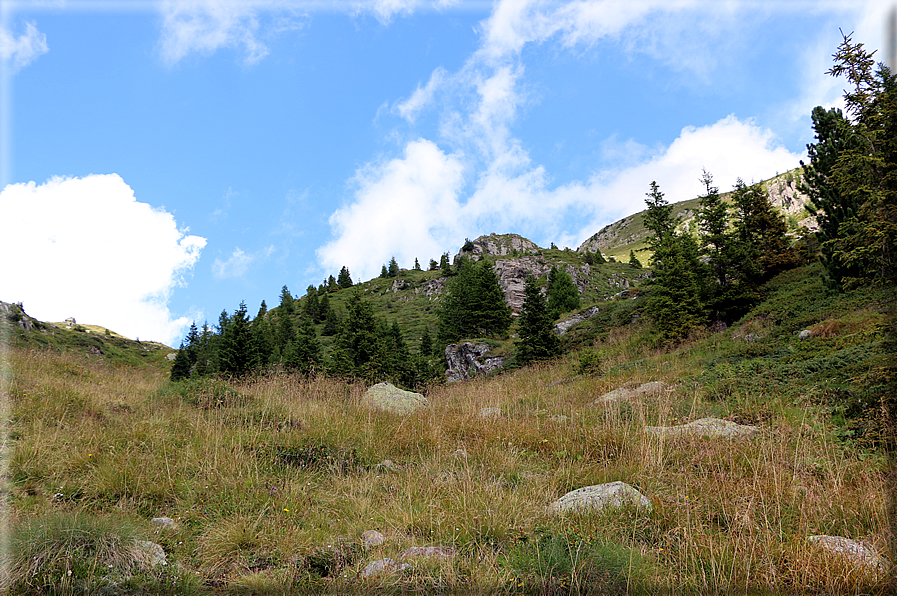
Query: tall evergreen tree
[303, 353]
[416, 264]
[444, 264]
[633, 260]
[563, 295]
[180, 368]
[286, 302]
[473, 304]
[344, 280]
[359, 346]
[235, 352]
[393, 267]
[674, 294]
[312, 305]
[433, 265]
[537, 339]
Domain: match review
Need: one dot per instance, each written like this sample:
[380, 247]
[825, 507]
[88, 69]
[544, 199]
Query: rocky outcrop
[389, 398]
[498, 245]
[705, 427]
[467, 360]
[434, 287]
[512, 273]
[599, 496]
[565, 325]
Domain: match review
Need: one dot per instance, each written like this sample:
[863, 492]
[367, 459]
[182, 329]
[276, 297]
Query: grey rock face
[623, 394]
[466, 360]
[499, 246]
[705, 427]
[599, 496]
[389, 398]
[564, 326]
[858, 553]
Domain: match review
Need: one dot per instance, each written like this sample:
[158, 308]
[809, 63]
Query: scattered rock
[372, 538]
[148, 554]
[383, 567]
[70, 322]
[599, 496]
[171, 356]
[460, 453]
[428, 552]
[558, 419]
[388, 465]
[559, 382]
[805, 334]
[623, 394]
[752, 337]
[705, 427]
[96, 351]
[164, 522]
[389, 398]
[858, 553]
[489, 413]
[399, 284]
[564, 326]
[466, 360]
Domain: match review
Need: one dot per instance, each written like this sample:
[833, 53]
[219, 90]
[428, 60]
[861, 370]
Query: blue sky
[163, 161]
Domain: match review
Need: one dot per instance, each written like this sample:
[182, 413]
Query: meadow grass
[272, 480]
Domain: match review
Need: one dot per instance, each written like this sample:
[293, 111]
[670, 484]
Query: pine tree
[416, 264]
[393, 267]
[345, 280]
[563, 295]
[262, 338]
[311, 304]
[180, 369]
[384, 272]
[537, 338]
[303, 353]
[444, 264]
[433, 265]
[359, 346]
[633, 260]
[332, 286]
[286, 302]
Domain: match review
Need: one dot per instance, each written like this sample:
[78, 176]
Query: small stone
[558, 419]
[428, 552]
[599, 496]
[383, 567]
[164, 522]
[372, 538]
[489, 413]
[148, 554]
[171, 356]
[388, 465]
[805, 334]
[623, 394]
[460, 453]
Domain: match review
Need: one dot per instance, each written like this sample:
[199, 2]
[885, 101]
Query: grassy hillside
[272, 481]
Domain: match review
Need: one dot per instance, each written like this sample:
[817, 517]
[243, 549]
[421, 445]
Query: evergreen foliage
[537, 339]
[235, 355]
[444, 264]
[563, 295]
[393, 267]
[416, 264]
[344, 280]
[633, 260]
[433, 265]
[384, 272]
[473, 304]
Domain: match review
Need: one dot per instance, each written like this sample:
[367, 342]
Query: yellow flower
[287, 510]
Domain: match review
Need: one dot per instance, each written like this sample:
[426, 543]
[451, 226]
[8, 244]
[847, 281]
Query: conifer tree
[563, 295]
[303, 353]
[286, 302]
[393, 267]
[359, 347]
[633, 260]
[345, 280]
[384, 272]
[180, 368]
[473, 304]
[444, 264]
[235, 351]
[262, 338]
[311, 304]
[537, 339]
[416, 264]
[433, 265]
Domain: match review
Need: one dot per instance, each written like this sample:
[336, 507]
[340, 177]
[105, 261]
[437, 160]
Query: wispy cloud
[21, 50]
[87, 248]
[237, 265]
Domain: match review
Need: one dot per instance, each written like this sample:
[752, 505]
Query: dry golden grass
[727, 515]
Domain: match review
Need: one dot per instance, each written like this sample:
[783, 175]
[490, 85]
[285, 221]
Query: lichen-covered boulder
[599, 496]
[389, 398]
[861, 555]
[623, 393]
[705, 427]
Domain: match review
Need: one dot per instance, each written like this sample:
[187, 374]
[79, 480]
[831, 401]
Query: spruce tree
[180, 369]
[563, 295]
[384, 272]
[633, 260]
[345, 280]
[286, 302]
[537, 338]
[393, 267]
[433, 265]
[473, 304]
[235, 352]
[416, 264]
[444, 264]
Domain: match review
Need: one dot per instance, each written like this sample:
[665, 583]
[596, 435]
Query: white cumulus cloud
[85, 247]
[406, 207]
[22, 50]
